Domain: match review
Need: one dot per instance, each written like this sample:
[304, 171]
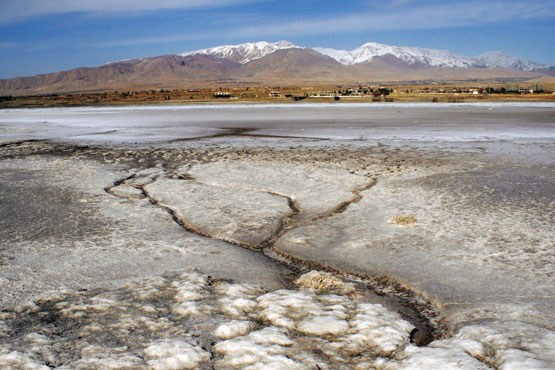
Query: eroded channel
[190, 215]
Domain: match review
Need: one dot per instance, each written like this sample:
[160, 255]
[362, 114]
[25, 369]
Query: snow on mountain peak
[342, 56]
[497, 59]
[410, 55]
[244, 53]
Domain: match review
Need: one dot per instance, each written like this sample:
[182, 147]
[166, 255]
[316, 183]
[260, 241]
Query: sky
[41, 36]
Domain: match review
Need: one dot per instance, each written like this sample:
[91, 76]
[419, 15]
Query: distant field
[405, 93]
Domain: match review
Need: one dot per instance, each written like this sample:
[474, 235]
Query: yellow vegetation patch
[403, 220]
[322, 281]
[318, 281]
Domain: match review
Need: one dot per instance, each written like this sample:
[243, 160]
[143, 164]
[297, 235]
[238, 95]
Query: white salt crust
[233, 329]
[175, 354]
[18, 360]
[187, 321]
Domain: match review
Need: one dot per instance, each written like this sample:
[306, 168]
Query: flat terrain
[360, 236]
[310, 94]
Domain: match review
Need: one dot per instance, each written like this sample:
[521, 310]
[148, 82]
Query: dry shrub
[403, 220]
[323, 281]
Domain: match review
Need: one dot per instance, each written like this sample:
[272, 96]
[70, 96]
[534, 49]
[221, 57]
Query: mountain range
[244, 53]
[283, 63]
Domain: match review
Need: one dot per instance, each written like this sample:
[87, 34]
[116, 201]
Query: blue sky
[40, 36]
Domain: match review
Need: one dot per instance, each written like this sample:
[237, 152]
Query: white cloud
[16, 10]
[405, 15]
[440, 15]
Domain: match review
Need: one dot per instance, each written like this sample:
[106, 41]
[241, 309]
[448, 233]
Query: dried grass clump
[403, 220]
[323, 281]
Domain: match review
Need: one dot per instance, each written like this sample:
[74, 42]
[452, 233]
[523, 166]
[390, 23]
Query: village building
[222, 94]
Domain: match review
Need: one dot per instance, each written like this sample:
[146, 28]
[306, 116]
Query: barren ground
[401, 238]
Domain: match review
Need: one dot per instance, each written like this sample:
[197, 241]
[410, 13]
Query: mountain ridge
[243, 53]
[281, 63]
[429, 57]
[502, 60]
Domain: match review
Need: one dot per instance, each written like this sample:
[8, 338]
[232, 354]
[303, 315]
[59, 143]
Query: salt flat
[174, 237]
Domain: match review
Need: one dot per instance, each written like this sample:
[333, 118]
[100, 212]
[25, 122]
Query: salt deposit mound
[193, 321]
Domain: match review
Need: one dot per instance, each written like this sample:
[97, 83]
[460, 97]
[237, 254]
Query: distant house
[275, 94]
[222, 94]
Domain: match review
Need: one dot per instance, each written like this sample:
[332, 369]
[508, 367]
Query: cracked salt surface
[76, 236]
[320, 190]
[391, 122]
[284, 328]
[237, 215]
[492, 280]
[238, 326]
[460, 238]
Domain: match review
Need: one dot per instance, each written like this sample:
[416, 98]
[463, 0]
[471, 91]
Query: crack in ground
[423, 314]
[286, 223]
[117, 183]
[187, 226]
[342, 207]
[486, 360]
[20, 142]
[246, 132]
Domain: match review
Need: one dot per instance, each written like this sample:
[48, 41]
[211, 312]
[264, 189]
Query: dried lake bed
[363, 236]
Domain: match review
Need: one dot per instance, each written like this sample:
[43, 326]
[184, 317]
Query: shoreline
[276, 104]
[19, 102]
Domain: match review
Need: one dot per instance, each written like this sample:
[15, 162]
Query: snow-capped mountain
[497, 59]
[243, 53]
[342, 56]
[410, 55]
[281, 63]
